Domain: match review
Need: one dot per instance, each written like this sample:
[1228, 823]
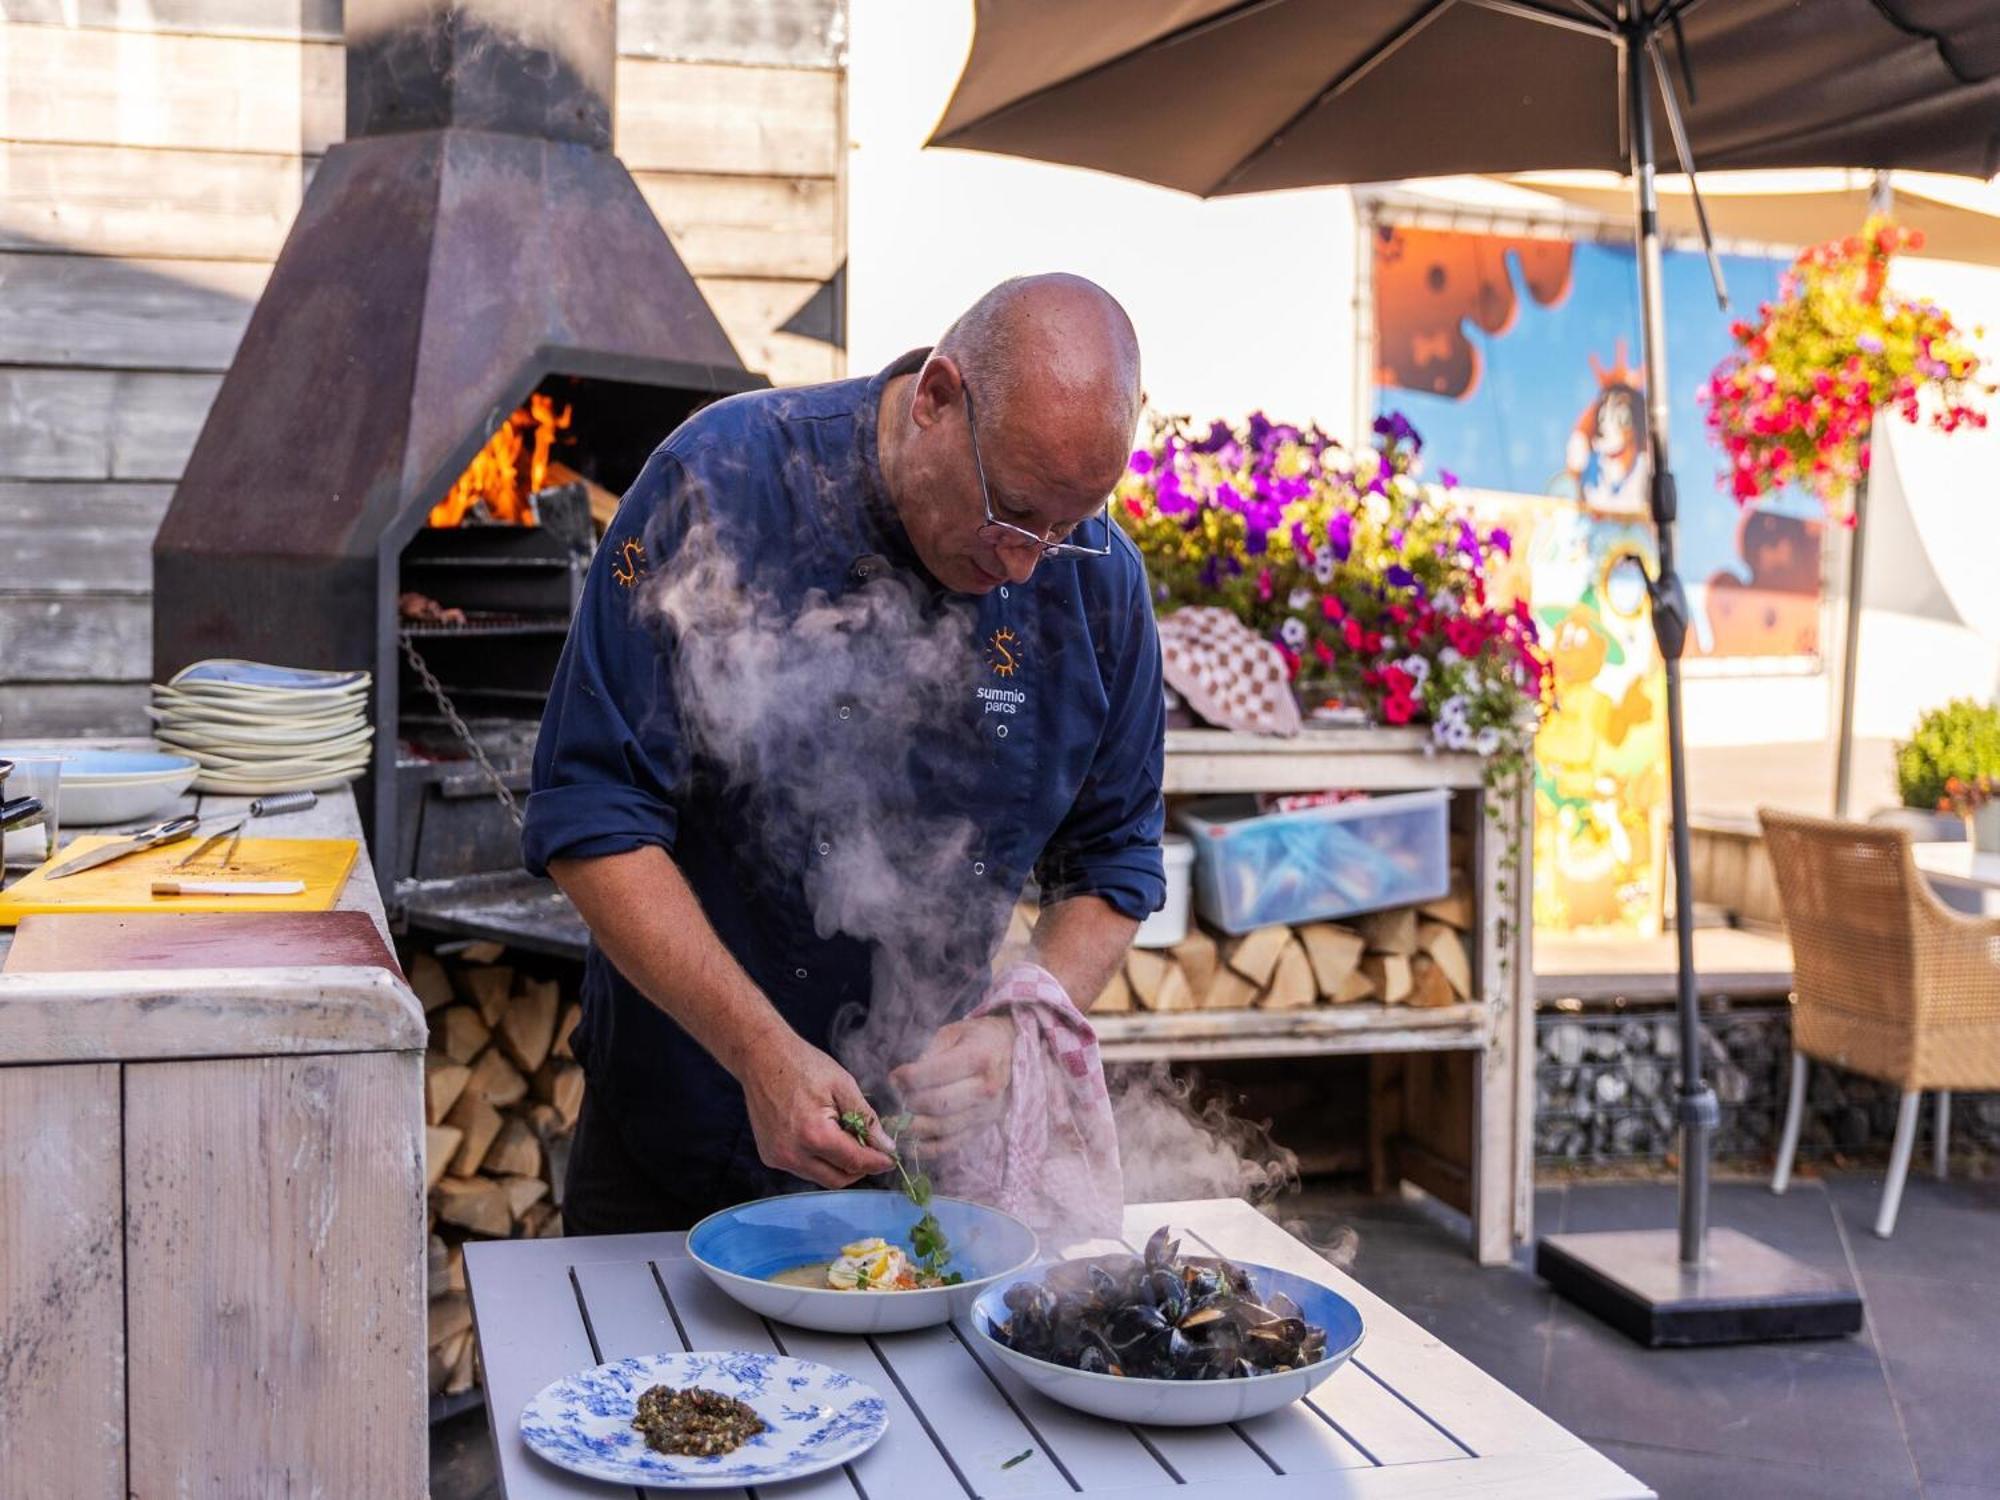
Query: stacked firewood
[501, 1095]
[1412, 955]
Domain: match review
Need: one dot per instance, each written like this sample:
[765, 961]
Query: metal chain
[436, 689]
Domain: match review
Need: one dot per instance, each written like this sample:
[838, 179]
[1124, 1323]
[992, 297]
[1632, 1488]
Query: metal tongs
[232, 829]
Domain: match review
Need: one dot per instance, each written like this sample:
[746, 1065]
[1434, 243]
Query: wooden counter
[211, 1225]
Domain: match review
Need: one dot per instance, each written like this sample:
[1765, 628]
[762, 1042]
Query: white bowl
[740, 1248]
[1184, 1403]
[92, 804]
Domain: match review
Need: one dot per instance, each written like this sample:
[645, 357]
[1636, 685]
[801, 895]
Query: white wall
[1249, 303]
[1240, 303]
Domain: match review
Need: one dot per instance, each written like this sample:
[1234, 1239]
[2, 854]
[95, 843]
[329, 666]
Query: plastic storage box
[1376, 852]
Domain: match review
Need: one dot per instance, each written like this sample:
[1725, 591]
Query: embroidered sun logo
[630, 564]
[1003, 652]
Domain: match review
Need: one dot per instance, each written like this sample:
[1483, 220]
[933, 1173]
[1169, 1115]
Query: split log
[1447, 949]
[523, 1193]
[603, 502]
[448, 1317]
[1428, 986]
[560, 1083]
[1292, 986]
[444, 1081]
[485, 951]
[1146, 969]
[475, 1203]
[542, 1221]
[465, 1370]
[1255, 954]
[481, 1123]
[454, 1269]
[1454, 910]
[1389, 975]
[1355, 987]
[1198, 957]
[440, 1142]
[1020, 927]
[1391, 931]
[437, 1259]
[442, 1358]
[528, 1028]
[1117, 996]
[514, 1153]
[429, 980]
[1229, 990]
[1174, 993]
[572, 1014]
[1334, 952]
[495, 1080]
[488, 986]
[459, 1033]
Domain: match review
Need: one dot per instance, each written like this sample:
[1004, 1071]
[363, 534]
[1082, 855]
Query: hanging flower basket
[1795, 404]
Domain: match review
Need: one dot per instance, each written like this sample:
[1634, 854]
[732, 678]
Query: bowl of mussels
[1164, 1338]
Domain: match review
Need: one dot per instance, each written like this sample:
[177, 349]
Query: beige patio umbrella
[1242, 96]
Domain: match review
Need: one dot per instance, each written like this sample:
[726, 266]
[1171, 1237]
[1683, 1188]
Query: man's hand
[796, 1095]
[960, 1083]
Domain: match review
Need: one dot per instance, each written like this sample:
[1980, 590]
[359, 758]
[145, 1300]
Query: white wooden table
[1958, 871]
[1405, 1417]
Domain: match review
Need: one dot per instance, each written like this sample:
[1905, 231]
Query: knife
[169, 832]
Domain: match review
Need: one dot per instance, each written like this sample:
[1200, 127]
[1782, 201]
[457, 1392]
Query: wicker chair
[1888, 981]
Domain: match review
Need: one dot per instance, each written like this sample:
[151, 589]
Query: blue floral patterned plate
[816, 1417]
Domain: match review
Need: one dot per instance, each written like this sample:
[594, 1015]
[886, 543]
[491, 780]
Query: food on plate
[695, 1423]
[1158, 1317]
[872, 1265]
[926, 1235]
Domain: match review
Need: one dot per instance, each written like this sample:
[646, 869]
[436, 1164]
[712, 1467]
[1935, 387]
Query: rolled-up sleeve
[1109, 843]
[611, 763]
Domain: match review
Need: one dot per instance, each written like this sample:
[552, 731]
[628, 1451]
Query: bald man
[975, 477]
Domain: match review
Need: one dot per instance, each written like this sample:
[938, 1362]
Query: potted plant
[1951, 764]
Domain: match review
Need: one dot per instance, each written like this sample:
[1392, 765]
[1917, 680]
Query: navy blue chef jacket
[1058, 771]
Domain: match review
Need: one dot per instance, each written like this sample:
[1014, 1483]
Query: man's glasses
[1054, 545]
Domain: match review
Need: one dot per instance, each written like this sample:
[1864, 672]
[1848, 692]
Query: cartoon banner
[1515, 358]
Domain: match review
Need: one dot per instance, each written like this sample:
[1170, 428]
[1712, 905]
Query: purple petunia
[1141, 462]
[1500, 541]
[1340, 535]
[1397, 576]
[1397, 429]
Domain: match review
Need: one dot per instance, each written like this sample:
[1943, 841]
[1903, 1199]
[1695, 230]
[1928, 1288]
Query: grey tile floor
[1910, 1408]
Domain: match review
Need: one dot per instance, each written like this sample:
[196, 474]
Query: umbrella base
[1744, 1293]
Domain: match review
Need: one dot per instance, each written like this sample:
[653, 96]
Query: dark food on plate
[695, 1423]
[1158, 1317]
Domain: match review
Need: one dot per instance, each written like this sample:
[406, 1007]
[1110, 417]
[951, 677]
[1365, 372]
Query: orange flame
[492, 482]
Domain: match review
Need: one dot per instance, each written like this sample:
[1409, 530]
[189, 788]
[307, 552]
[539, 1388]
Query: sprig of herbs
[927, 1236]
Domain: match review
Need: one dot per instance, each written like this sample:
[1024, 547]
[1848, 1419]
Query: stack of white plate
[254, 728]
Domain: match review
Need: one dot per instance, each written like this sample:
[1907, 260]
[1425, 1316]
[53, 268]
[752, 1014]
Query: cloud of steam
[815, 708]
[1179, 1141]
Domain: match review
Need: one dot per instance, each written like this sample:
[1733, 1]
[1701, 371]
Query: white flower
[1448, 657]
[1457, 735]
[1452, 710]
[1388, 643]
[1486, 741]
[1416, 666]
[1323, 565]
[1293, 633]
[1299, 599]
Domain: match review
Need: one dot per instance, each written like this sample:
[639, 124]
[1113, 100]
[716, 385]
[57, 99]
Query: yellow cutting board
[127, 884]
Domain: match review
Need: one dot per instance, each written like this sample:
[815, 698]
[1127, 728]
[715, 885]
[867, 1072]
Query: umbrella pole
[1685, 1286]
[1697, 1111]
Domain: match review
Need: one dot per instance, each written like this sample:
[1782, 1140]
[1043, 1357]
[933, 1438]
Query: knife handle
[283, 802]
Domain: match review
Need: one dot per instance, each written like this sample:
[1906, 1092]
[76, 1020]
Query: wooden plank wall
[152, 156]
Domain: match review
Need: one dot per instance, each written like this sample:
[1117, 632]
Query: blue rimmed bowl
[1182, 1403]
[741, 1248]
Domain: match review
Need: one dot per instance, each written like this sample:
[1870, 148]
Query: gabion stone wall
[1604, 1091]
